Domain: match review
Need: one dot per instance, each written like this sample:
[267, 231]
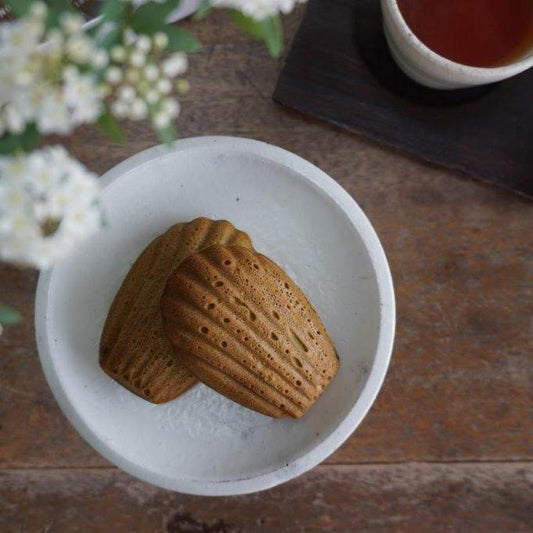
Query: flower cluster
[48, 201]
[143, 83]
[47, 77]
[259, 9]
[55, 76]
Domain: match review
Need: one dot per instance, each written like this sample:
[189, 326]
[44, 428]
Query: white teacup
[428, 68]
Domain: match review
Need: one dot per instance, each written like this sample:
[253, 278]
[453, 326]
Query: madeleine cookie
[244, 328]
[134, 350]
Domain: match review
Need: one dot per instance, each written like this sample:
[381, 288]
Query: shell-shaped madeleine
[244, 328]
[134, 349]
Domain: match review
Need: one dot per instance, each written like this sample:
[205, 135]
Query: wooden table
[448, 446]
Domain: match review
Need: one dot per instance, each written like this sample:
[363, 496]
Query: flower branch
[58, 73]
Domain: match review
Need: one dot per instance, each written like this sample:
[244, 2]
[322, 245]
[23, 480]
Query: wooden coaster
[340, 70]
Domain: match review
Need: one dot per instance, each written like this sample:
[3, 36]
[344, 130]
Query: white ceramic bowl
[203, 443]
[428, 68]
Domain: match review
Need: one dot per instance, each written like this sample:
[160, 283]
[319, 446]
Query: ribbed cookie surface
[134, 349]
[245, 329]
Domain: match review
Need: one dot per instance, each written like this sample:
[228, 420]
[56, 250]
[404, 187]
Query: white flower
[82, 98]
[15, 167]
[119, 109]
[137, 59]
[39, 76]
[126, 93]
[40, 253]
[23, 103]
[171, 107]
[63, 108]
[20, 38]
[143, 43]
[258, 9]
[138, 110]
[43, 177]
[70, 72]
[19, 232]
[39, 10]
[164, 86]
[160, 40]
[54, 38]
[79, 48]
[81, 221]
[161, 120]
[23, 78]
[175, 65]
[152, 96]
[129, 36]
[44, 79]
[118, 53]
[151, 72]
[79, 191]
[147, 86]
[52, 114]
[48, 201]
[71, 23]
[14, 121]
[99, 59]
[113, 75]
[13, 198]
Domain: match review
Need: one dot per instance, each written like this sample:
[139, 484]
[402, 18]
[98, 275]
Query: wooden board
[339, 69]
[457, 399]
[416, 497]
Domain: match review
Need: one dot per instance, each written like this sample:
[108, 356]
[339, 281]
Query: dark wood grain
[404, 498]
[339, 69]
[458, 396]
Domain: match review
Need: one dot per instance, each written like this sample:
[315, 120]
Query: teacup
[428, 68]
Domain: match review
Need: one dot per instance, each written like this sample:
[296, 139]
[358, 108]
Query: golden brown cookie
[134, 349]
[244, 328]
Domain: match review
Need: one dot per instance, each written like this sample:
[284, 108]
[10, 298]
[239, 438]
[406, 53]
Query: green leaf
[247, 24]
[111, 37]
[20, 7]
[25, 141]
[147, 21]
[9, 316]
[168, 6]
[203, 10]
[166, 135]
[96, 27]
[273, 35]
[181, 40]
[268, 30]
[110, 126]
[151, 17]
[55, 9]
[114, 10]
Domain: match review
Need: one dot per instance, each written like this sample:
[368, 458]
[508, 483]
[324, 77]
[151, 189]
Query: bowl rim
[482, 73]
[362, 404]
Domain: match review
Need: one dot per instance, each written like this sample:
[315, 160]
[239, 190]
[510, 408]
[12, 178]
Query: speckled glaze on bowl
[202, 443]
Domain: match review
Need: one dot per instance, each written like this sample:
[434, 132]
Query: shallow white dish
[202, 443]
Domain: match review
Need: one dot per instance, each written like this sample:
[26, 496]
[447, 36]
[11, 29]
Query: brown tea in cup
[478, 33]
